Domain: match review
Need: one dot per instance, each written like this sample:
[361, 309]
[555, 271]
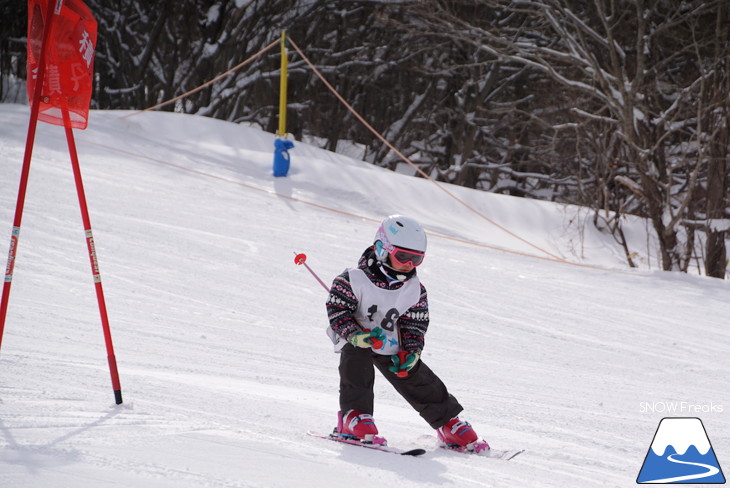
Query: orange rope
[405, 158]
[364, 122]
[343, 212]
[206, 84]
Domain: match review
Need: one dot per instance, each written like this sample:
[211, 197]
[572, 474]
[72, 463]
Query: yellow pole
[282, 87]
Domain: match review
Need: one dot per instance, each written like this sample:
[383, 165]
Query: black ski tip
[118, 396]
[414, 452]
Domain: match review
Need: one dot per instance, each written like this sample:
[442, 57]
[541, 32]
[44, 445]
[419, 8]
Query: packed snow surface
[537, 326]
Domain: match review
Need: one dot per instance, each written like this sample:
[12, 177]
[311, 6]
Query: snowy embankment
[220, 340]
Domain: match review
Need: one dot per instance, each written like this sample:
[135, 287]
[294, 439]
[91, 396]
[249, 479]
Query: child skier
[378, 314]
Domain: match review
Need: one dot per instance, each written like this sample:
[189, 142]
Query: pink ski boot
[359, 426]
[458, 434]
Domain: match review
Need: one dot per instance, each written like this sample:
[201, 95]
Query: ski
[502, 454]
[376, 447]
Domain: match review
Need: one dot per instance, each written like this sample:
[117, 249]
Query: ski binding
[377, 444]
[502, 454]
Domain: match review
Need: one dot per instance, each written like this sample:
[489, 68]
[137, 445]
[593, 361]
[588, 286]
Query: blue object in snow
[281, 156]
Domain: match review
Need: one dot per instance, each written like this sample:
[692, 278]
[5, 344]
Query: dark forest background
[618, 105]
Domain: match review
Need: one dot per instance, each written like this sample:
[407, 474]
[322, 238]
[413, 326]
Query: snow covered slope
[220, 339]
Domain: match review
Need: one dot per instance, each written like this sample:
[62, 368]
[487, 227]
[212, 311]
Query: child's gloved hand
[368, 338]
[408, 363]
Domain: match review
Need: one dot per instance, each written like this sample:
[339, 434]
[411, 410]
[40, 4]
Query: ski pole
[300, 259]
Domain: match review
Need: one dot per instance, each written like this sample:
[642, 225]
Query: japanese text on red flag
[68, 60]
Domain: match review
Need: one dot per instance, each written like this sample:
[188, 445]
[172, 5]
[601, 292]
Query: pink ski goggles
[404, 256]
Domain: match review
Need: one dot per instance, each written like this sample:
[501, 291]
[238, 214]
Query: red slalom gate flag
[69, 61]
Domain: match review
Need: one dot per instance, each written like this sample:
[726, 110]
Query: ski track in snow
[220, 341]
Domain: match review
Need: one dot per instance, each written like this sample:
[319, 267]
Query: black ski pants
[422, 389]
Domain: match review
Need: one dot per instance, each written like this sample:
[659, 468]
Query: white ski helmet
[399, 231]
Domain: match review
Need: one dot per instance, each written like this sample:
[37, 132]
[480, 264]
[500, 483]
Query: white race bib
[379, 307]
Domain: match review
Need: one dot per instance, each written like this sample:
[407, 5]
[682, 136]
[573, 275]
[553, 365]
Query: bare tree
[13, 25]
[616, 104]
[633, 67]
[716, 116]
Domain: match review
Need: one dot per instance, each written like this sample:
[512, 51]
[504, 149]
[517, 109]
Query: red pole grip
[402, 356]
[376, 343]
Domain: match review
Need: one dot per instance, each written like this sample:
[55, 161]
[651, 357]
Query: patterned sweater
[342, 304]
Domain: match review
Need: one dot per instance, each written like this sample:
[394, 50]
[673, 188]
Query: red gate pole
[29, 141]
[93, 258]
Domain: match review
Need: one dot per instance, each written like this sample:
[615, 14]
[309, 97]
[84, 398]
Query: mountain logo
[681, 453]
